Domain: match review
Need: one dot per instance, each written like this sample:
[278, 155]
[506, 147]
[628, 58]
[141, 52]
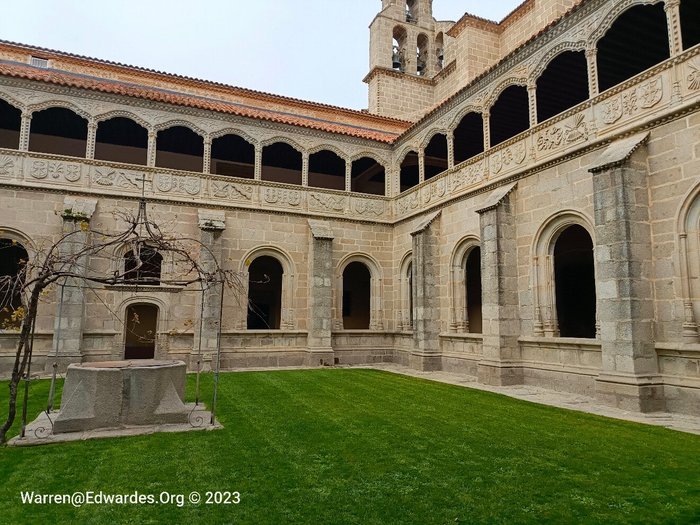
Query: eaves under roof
[93, 74]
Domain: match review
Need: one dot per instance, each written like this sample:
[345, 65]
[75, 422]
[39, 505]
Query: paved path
[680, 422]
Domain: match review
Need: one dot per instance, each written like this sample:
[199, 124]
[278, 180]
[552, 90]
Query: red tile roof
[88, 73]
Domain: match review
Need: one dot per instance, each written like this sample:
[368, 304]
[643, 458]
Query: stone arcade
[520, 204]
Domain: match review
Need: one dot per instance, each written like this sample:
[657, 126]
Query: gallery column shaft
[320, 350]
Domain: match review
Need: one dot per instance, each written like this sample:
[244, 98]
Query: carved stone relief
[167, 182]
[282, 196]
[230, 190]
[511, 155]
[43, 169]
[7, 167]
[324, 201]
[124, 179]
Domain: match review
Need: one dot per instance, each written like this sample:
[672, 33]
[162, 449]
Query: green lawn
[362, 446]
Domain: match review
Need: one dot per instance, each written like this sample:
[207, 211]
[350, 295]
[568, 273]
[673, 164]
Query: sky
[309, 49]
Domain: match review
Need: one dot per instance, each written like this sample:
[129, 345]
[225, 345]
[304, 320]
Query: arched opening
[472, 280]
[412, 11]
[142, 265]
[326, 170]
[281, 163]
[141, 326]
[440, 50]
[469, 137]
[233, 156]
[636, 41]
[180, 148]
[10, 124]
[409, 175]
[574, 278]
[436, 156]
[120, 139]
[690, 23]
[59, 131]
[13, 262]
[398, 54]
[356, 296]
[422, 55]
[510, 114]
[368, 176]
[562, 85]
[265, 293]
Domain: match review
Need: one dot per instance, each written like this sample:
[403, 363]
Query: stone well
[116, 394]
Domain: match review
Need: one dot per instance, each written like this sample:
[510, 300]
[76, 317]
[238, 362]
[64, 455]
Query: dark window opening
[473, 288]
[574, 276]
[411, 11]
[59, 131]
[510, 114]
[233, 156]
[636, 41]
[142, 265]
[281, 163]
[469, 137]
[409, 175]
[141, 328]
[180, 148]
[439, 51]
[562, 85]
[265, 294]
[326, 170]
[436, 156]
[121, 139]
[356, 296]
[13, 262]
[368, 176]
[690, 23]
[10, 124]
[422, 55]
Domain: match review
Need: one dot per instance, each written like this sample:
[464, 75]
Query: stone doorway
[140, 331]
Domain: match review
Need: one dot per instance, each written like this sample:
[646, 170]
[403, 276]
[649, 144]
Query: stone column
[206, 161]
[320, 349]
[211, 226]
[151, 151]
[532, 103]
[348, 176]
[258, 162]
[421, 166]
[499, 293]
[486, 117]
[459, 323]
[629, 378]
[24, 129]
[305, 169]
[426, 354]
[673, 19]
[70, 294]
[91, 140]
[450, 150]
[591, 60]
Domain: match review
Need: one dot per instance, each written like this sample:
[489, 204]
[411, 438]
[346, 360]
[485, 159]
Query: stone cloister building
[519, 204]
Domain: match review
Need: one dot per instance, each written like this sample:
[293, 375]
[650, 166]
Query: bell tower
[403, 53]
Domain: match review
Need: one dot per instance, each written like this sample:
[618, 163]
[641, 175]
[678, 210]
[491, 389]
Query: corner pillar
[499, 365]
